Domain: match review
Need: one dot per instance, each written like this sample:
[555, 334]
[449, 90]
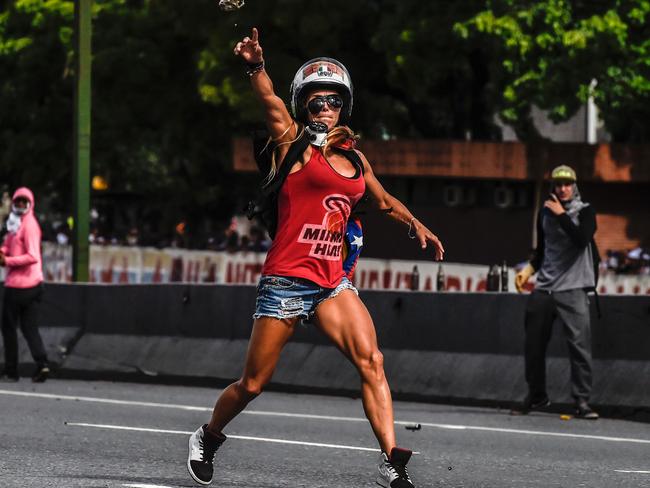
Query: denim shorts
[284, 297]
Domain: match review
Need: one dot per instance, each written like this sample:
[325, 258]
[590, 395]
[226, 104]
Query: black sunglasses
[317, 104]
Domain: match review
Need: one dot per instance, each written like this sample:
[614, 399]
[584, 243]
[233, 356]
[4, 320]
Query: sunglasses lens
[315, 105]
[334, 101]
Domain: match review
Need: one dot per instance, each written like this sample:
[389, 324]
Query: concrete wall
[437, 346]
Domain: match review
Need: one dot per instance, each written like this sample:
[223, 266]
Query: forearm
[22, 260]
[582, 233]
[262, 86]
[396, 210]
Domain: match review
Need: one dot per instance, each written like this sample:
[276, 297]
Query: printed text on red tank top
[327, 238]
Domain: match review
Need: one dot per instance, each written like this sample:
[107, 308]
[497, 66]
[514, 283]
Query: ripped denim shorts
[285, 297]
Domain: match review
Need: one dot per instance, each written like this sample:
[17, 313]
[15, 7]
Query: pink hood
[22, 250]
[25, 192]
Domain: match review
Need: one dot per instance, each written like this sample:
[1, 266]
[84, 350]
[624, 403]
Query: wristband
[253, 68]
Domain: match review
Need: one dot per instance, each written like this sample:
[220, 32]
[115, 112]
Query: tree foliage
[547, 53]
[168, 95]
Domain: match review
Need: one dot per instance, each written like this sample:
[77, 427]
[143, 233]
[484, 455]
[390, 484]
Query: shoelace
[399, 470]
[208, 453]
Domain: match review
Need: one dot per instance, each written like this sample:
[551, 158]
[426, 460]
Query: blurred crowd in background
[242, 235]
[632, 261]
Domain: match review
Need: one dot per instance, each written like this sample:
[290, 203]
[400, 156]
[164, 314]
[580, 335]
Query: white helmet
[326, 73]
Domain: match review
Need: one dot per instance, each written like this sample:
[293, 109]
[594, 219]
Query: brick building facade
[481, 197]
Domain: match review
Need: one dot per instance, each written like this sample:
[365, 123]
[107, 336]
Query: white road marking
[144, 485]
[326, 417]
[104, 400]
[230, 436]
[631, 471]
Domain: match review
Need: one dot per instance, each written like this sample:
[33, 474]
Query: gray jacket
[566, 256]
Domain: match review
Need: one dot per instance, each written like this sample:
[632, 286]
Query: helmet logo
[322, 70]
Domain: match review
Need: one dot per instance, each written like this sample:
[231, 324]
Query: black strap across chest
[293, 156]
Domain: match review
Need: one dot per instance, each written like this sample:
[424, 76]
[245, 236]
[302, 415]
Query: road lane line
[631, 471]
[328, 417]
[144, 485]
[112, 401]
[230, 436]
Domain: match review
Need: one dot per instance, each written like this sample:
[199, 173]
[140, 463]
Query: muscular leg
[346, 321]
[267, 340]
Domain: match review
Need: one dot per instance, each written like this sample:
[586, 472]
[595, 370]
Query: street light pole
[82, 105]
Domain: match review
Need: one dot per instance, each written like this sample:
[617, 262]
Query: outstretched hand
[424, 235]
[249, 48]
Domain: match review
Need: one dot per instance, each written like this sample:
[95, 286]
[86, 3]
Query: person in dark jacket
[565, 264]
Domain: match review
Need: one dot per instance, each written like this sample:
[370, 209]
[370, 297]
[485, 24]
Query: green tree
[168, 94]
[153, 134]
[547, 53]
[35, 94]
[438, 83]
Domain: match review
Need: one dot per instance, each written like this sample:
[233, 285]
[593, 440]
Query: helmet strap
[316, 133]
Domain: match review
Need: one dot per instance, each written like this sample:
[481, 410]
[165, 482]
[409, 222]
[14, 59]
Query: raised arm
[398, 211]
[278, 120]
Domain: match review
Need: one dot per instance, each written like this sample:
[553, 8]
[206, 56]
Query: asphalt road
[101, 434]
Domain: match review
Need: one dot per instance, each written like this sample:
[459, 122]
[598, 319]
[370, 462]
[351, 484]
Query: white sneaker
[203, 445]
[392, 470]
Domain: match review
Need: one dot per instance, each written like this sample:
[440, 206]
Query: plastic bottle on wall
[504, 277]
[415, 279]
[440, 279]
[493, 278]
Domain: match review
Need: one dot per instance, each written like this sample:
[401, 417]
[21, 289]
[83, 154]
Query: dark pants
[21, 306]
[572, 308]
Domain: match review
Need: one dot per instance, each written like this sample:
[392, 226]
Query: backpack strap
[262, 150]
[352, 155]
[296, 150]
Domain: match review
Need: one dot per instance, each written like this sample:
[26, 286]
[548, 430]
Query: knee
[371, 365]
[249, 387]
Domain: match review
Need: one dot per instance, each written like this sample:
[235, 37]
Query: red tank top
[313, 209]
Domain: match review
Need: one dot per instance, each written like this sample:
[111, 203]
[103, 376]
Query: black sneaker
[203, 445]
[531, 404]
[584, 411]
[41, 374]
[392, 470]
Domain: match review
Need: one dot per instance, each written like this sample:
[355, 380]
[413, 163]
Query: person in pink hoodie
[21, 256]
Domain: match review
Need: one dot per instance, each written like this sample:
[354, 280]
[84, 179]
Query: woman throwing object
[303, 275]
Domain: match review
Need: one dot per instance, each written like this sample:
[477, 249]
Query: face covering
[573, 206]
[15, 217]
[13, 223]
[18, 210]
